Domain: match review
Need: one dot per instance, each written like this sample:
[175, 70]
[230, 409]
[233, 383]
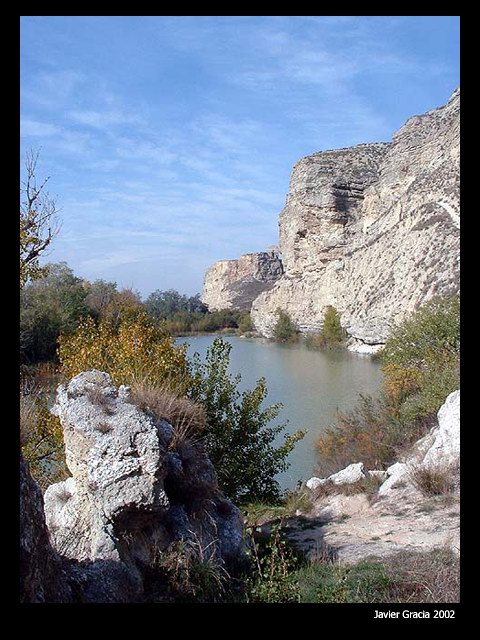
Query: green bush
[237, 438]
[284, 329]
[421, 358]
[49, 306]
[245, 323]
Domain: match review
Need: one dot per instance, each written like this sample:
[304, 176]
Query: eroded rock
[372, 230]
[131, 493]
[234, 284]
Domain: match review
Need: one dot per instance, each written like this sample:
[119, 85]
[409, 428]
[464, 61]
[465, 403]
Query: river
[310, 384]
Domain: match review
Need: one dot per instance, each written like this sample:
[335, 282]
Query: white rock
[395, 473]
[366, 349]
[445, 449]
[352, 473]
[313, 483]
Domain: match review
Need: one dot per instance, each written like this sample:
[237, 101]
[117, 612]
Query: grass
[100, 399]
[187, 418]
[257, 513]
[187, 571]
[400, 578]
[433, 481]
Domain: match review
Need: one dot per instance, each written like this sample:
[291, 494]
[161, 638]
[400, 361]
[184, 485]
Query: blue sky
[170, 140]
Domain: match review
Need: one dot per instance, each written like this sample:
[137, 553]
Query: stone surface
[234, 284]
[349, 528]
[439, 449]
[372, 230]
[353, 473]
[131, 493]
[445, 446]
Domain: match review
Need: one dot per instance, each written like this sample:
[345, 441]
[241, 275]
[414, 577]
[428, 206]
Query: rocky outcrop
[438, 450]
[372, 230]
[234, 284]
[133, 493]
[402, 515]
[353, 473]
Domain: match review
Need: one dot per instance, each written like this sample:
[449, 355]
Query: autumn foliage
[135, 351]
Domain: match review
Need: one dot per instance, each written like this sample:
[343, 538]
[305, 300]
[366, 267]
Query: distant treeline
[58, 302]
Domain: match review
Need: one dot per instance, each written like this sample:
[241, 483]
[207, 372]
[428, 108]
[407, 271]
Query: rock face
[132, 492]
[439, 449]
[43, 577]
[372, 230]
[234, 284]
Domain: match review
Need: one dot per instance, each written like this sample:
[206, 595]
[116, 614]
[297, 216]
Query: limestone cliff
[372, 230]
[234, 284]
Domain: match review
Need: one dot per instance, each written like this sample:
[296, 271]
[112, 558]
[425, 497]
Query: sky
[169, 140]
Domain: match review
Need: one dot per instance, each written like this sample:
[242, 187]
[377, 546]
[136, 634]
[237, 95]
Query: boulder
[349, 475]
[132, 493]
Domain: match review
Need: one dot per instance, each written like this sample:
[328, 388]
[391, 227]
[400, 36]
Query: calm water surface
[311, 385]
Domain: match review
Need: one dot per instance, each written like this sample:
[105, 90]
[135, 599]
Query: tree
[238, 438]
[99, 297]
[284, 329]
[38, 223]
[49, 306]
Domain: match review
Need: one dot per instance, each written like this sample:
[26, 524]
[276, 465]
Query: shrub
[284, 329]
[41, 438]
[332, 331]
[237, 438]
[433, 481]
[272, 576]
[421, 358]
[370, 433]
[245, 323]
[138, 350]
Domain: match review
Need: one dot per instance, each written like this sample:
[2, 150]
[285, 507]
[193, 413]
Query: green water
[312, 385]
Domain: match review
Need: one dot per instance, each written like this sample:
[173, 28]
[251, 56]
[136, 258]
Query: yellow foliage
[137, 351]
[400, 381]
[41, 438]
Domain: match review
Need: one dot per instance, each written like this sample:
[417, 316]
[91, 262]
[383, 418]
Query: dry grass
[187, 418]
[433, 481]
[98, 398]
[432, 576]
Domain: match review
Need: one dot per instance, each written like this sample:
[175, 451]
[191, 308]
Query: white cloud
[35, 128]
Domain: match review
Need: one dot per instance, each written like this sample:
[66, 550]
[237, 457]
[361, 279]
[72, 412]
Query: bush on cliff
[332, 335]
[284, 329]
[237, 436]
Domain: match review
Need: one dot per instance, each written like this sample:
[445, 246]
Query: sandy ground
[350, 528]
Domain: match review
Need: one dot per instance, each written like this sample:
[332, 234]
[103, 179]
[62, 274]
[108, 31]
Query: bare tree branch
[38, 222]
